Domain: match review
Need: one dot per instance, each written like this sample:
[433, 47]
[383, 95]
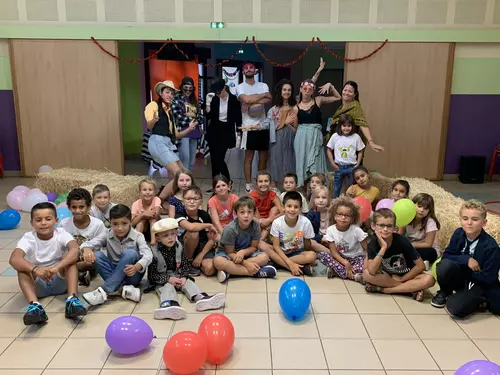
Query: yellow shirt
[151, 111]
[372, 194]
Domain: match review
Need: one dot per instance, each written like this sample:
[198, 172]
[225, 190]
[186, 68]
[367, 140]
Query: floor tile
[240, 360]
[73, 372]
[4, 266]
[381, 326]
[308, 354]
[338, 326]
[246, 303]
[356, 372]
[57, 327]
[344, 354]
[4, 257]
[420, 359]
[451, 354]
[18, 304]
[481, 326]
[161, 328]
[250, 325]
[149, 302]
[414, 373]
[4, 343]
[354, 287]
[4, 297]
[210, 284]
[12, 325]
[490, 348]
[246, 285]
[115, 305]
[300, 372]
[191, 323]
[281, 327]
[411, 307]
[9, 284]
[81, 353]
[375, 304]
[274, 284]
[93, 325]
[274, 305]
[21, 372]
[332, 304]
[148, 359]
[324, 285]
[244, 372]
[436, 327]
[40, 352]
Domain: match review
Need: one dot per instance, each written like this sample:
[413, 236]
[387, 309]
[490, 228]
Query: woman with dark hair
[185, 108]
[224, 118]
[282, 120]
[350, 105]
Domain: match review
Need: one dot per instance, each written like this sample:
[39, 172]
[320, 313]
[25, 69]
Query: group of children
[249, 236]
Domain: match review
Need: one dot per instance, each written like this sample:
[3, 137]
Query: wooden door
[67, 100]
[405, 93]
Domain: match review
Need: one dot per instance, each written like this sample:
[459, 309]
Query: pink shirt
[225, 210]
[137, 207]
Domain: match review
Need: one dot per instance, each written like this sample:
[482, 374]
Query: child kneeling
[169, 272]
[45, 261]
[393, 265]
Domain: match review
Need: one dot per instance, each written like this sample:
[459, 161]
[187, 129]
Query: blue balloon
[9, 219]
[295, 298]
[479, 367]
[63, 213]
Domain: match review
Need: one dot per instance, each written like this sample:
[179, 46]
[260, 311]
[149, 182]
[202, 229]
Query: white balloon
[31, 200]
[35, 191]
[45, 169]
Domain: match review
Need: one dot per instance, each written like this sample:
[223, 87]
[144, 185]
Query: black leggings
[428, 253]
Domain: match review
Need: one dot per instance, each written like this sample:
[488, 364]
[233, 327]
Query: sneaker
[330, 274]
[35, 314]
[248, 187]
[308, 270]
[217, 301]
[439, 300]
[194, 272]
[169, 310]
[209, 191]
[84, 278]
[222, 276]
[132, 293]
[74, 308]
[97, 297]
[427, 265]
[266, 272]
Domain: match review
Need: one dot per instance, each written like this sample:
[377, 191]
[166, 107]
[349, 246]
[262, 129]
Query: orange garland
[281, 65]
[330, 52]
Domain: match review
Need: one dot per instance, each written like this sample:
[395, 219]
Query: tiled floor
[346, 331]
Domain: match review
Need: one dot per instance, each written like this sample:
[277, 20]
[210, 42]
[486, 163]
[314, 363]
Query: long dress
[281, 147]
[309, 155]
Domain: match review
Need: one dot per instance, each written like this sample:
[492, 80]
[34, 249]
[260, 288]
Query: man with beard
[253, 95]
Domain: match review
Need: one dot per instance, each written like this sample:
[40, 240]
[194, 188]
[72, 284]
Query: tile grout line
[269, 327]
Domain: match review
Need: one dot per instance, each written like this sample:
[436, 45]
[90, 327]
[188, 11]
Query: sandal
[418, 296]
[370, 288]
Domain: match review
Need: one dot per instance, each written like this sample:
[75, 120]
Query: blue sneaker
[74, 308]
[35, 314]
[266, 272]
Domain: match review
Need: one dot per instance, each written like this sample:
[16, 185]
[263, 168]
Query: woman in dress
[282, 119]
[309, 154]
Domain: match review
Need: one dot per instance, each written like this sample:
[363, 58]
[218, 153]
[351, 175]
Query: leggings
[428, 253]
[328, 260]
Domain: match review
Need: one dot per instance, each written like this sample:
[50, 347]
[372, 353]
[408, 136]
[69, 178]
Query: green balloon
[61, 198]
[405, 211]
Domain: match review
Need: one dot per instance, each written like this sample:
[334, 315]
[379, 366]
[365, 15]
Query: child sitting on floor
[290, 184]
[469, 266]
[220, 205]
[320, 218]
[82, 227]
[347, 242]
[363, 187]
[393, 265]
[128, 256]
[400, 189]
[292, 234]
[101, 204]
[182, 180]
[169, 272]
[146, 210]
[45, 260]
[317, 180]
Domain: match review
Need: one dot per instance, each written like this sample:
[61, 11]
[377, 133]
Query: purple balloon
[128, 335]
[479, 367]
[385, 203]
[52, 197]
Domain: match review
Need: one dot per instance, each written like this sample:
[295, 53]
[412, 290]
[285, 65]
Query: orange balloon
[365, 208]
[185, 353]
[218, 332]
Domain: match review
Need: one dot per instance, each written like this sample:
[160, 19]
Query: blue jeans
[343, 171]
[114, 274]
[187, 152]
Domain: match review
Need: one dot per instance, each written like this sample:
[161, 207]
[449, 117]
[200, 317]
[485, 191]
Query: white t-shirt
[292, 239]
[44, 253]
[102, 215]
[305, 205]
[223, 109]
[345, 148]
[416, 235]
[93, 230]
[246, 89]
[348, 243]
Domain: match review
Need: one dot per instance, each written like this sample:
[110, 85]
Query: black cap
[187, 81]
[218, 85]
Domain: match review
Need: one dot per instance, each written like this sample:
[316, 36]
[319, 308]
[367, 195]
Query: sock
[36, 303]
[248, 186]
[69, 297]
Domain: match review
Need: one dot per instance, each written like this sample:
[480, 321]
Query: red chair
[496, 153]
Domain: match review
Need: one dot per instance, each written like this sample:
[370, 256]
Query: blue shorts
[57, 286]
[294, 253]
[222, 253]
[162, 150]
[210, 255]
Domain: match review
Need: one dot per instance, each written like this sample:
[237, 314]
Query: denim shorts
[162, 150]
[222, 253]
[55, 287]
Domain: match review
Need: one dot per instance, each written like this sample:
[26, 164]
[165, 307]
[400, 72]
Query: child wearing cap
[169, 273]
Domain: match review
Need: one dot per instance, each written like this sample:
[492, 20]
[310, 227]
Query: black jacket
[217, 134]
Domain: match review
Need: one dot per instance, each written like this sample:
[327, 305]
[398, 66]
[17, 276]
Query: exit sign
[217, 25]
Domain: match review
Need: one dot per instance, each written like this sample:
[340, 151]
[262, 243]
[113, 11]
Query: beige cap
[161, 85]
[164, 225]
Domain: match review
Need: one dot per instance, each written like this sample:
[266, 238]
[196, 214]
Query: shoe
[266, 272]
[210, 191]
[74, 308]
[169, 310]
[35, 314]
[132, 293]
[84, 278]
[217, 301]
[330, 274]
[308, 270]
[194, 272]
[427, 265]
[222, 276]
[248, 187]
[97, 297]
[439, 300]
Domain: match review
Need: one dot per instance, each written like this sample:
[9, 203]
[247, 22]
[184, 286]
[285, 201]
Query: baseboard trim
[12, 173]
[454, 177]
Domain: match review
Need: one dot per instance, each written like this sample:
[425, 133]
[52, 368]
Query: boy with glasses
[393, 265]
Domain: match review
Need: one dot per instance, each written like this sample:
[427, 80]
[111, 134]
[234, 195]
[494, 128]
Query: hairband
[307, 84]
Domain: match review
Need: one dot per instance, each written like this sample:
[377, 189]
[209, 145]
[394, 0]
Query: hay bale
[383, 183]
[124, 189]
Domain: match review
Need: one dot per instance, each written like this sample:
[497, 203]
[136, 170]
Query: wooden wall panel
[405, 93]
[67, 105]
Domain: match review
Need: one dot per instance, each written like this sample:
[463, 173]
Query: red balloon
[365, 208]
[218, 332]
[185, 353]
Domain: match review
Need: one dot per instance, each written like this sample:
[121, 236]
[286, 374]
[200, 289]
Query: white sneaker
[248, 187]
[222, 276]
[170, 310]
[97, 297]
[217, 301]
[427, 265]
[132, 293]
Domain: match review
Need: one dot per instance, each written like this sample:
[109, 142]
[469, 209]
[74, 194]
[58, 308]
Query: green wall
[130, 97]
[5, 76]
[476, 76]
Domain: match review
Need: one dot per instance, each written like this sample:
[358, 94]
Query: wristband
[380, 255]
[34, 269]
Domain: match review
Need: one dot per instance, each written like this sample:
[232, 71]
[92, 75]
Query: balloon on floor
[480, 367]
[185, 353]
[128, 335]
[9, 219]
[218, 332]
[294, 298]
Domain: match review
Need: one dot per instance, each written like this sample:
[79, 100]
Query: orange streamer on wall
[162, 70]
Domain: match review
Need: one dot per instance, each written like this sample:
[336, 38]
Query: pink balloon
[15, 199]
[35, 191]
[24, 189]
[385, 203]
